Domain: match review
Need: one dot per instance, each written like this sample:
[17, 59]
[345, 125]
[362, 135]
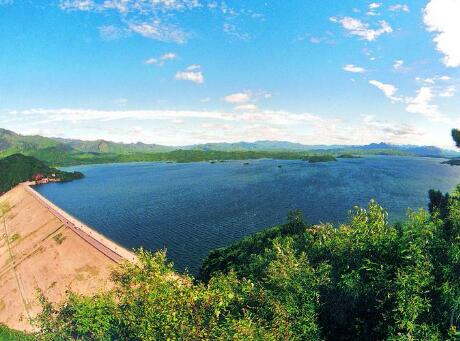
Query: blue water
[193, 208]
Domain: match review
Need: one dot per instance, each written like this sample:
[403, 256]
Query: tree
[456, 137]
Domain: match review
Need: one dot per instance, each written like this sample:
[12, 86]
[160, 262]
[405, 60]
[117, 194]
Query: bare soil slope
[39, 250]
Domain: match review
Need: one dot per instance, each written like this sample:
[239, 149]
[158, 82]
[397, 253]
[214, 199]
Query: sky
[179, 72]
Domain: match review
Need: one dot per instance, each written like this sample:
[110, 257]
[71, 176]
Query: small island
[348, 156]
[319, 158]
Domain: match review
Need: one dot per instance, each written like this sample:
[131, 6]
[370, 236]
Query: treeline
[51, 156]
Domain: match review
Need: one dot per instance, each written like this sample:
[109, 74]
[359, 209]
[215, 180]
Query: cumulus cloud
[389, 90]
[192, 74]
[399, 8]
[353, 68]
[238, 97]
[442, 18]
[422, 104]
[160, 61]
[360, 29]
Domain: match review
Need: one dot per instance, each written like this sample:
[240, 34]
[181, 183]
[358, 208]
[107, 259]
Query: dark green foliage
[378, 281]
[456, 137]
[348, 156]
[18, 168]
[438, 202]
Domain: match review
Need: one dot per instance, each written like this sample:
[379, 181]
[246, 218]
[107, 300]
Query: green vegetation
[67, 152]
[365, 280]
[14, 237]
[58, 238]
[7, 334]
[456, 137]
[18, 168]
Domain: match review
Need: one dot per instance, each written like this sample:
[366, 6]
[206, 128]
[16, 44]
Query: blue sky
[193, 71]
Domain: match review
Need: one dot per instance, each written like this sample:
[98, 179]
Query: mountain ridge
[62, 151]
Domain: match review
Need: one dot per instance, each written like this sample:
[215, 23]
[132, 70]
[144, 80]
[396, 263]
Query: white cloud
[239, 97]
[162, 59]
[80, 5]
[442, 18]
[175, 127]
[126, 6]
[247, 107]
[357, 28]
[373, 7]
[399, 8]
[421, 104]
[388, 89]
[444, 78]
[158, 31]
[398, 65]
[391, 131]
[448, 92]
[193, 67]
[191, 74]
[111, 32]
[233, 31]
[353, 68]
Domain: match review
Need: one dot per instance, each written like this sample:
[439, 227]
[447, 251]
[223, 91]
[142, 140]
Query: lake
[192, 208]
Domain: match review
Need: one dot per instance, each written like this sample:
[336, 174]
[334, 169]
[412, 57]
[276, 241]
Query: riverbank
[43, 247]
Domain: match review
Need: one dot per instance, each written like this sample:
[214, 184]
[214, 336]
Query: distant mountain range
[59, 151]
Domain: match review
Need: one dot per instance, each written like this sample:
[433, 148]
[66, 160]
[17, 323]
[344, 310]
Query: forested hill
[64, 152]
[18, 168]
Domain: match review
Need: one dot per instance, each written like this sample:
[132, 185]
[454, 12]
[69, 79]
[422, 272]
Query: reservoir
[192, 208]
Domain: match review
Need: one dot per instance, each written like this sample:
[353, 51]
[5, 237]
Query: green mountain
[102, 146]
[18, 168]
[373, 148]
[65, 152]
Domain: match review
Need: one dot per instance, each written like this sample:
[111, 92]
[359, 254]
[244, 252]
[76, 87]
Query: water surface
[193, 208]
